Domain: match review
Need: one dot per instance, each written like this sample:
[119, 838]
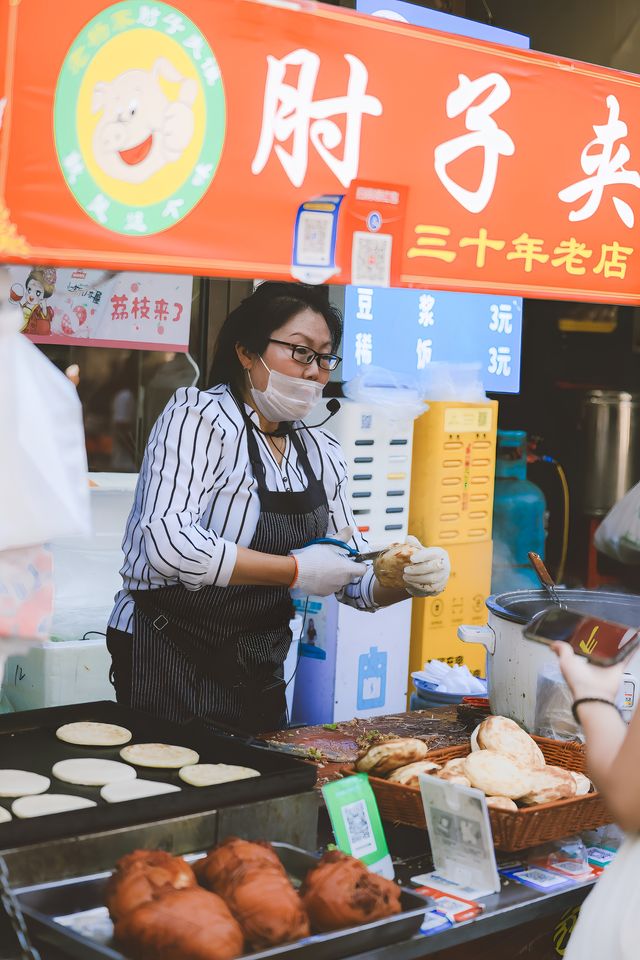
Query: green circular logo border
[80, 182]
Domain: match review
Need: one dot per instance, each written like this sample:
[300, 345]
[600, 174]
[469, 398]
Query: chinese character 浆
[484, 132]
[604, 169]
[290, 112]
[426, 303]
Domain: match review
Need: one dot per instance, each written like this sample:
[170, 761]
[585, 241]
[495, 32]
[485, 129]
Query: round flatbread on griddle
[22, 783]
[160, 755]
[46, 803]
[208, 774]
[87, 733]
[92, 771]
[136, 790]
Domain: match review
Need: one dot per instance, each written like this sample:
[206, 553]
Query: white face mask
[285, 398]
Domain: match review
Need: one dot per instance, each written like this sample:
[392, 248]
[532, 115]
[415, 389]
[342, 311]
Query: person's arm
[613, 749]
[182, 461]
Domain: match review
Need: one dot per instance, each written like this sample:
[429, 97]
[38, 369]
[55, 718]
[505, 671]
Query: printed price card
[356, 823]
[461, 840]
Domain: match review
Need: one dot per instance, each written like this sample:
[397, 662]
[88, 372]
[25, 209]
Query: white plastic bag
[397, 394]
[554, 700]
[44, 486]
[618, 536]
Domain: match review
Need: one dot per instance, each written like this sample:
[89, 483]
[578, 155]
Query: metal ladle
[545, 578]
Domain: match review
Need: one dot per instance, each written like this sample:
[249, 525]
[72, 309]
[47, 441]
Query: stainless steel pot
[513, 663]
[611, 451]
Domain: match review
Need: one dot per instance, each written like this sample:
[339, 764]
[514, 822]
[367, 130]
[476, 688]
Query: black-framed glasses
[306, 355]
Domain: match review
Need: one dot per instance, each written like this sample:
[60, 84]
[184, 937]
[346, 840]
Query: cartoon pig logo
[141, 130]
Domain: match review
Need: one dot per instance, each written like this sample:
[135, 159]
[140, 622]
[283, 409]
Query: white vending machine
[353, 663]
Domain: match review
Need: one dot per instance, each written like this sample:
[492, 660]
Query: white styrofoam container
[55, 673]
[52, 674]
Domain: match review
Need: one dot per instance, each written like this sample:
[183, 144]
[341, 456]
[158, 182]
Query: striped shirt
[196, 499]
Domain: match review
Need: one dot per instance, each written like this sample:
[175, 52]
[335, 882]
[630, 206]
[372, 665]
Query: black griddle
[28, 742]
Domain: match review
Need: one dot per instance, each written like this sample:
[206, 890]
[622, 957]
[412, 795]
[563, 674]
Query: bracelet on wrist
[581, 700]
[296, 571]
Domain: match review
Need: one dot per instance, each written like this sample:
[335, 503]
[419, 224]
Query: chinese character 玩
[483, 244]
[430, 246]
[426, 303]
[500, 361]
[364, 348]
[501, 317]
[613, 260]
[604, 169]
[571, 254]
[528, 249]
[424, 350]
[290, 112]
[484, 132]
[365, 303]
[119, 305]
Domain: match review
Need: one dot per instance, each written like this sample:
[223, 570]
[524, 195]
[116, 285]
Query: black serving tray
[28, 742]
[72, 917]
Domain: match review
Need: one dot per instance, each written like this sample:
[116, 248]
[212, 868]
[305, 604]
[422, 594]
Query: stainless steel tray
[71, 916]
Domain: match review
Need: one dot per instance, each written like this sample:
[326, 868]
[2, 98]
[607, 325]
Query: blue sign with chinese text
[404, 330]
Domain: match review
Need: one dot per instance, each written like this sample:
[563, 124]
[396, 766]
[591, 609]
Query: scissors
[351, 551]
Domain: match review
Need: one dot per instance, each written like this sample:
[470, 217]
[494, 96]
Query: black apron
[218, 653]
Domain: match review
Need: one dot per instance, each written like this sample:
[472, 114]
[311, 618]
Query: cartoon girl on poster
[37, 315]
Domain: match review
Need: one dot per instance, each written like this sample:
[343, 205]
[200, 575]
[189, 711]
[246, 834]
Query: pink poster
[94, 308]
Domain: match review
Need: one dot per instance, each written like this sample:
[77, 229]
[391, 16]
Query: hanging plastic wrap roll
[397, 394]
[44, 487]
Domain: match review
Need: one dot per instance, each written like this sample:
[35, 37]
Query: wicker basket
[512, 830]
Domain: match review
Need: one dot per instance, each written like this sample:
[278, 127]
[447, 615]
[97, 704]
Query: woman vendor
[232, 489]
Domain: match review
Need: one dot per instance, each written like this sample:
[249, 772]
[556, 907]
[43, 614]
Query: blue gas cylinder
[519, 516]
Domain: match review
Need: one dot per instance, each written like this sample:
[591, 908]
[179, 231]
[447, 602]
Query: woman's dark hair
[254, 320]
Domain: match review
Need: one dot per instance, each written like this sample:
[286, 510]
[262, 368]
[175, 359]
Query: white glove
[428, 572]
[324, 569]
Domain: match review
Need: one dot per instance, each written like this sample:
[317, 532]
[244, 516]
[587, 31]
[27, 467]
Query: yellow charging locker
[451, 506]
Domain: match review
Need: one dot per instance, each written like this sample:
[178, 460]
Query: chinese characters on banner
[406, 330]
[143, 311]
[522, 170]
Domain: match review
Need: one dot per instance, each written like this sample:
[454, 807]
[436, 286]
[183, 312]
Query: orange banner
[185, 137]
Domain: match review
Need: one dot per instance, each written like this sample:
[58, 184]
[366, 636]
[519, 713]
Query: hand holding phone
[602, 642]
